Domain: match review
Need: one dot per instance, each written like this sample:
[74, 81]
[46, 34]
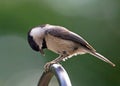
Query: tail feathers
[102, 58]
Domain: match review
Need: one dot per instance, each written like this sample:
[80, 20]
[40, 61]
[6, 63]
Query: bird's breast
[60, 46]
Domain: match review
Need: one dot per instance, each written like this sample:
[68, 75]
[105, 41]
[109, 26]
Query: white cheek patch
[37, 31]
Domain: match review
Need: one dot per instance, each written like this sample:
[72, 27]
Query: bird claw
[47, 65]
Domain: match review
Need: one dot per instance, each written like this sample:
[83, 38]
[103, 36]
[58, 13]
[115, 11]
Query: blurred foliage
[98, 21]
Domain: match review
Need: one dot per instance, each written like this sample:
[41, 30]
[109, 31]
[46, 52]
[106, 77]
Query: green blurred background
[98, 21]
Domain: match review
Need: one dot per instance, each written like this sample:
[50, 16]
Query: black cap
[32, 43]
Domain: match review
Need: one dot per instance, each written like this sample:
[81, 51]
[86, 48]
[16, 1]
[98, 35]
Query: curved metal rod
[59, 72]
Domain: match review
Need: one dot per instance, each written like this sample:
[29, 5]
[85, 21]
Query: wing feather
[63, 33]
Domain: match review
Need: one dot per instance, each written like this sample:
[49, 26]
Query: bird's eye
[32, 43]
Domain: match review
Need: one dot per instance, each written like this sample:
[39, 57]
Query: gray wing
[67, 35]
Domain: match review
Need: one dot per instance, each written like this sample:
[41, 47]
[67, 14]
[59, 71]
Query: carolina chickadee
[61, 41]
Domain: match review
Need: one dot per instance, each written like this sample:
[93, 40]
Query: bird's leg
[57, 60]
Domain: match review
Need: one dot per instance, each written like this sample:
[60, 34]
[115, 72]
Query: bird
[61, 41]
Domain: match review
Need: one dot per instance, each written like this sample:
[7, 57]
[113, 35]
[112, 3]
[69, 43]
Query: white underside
[58, 45]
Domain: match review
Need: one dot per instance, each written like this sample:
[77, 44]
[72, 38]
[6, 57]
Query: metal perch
[60, 74]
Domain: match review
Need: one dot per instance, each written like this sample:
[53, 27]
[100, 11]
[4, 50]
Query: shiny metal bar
[60, 74]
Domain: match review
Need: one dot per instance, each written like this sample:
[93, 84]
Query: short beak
[42, 52]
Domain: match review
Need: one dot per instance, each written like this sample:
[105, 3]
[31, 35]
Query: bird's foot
[57, 60]
[47, 65]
